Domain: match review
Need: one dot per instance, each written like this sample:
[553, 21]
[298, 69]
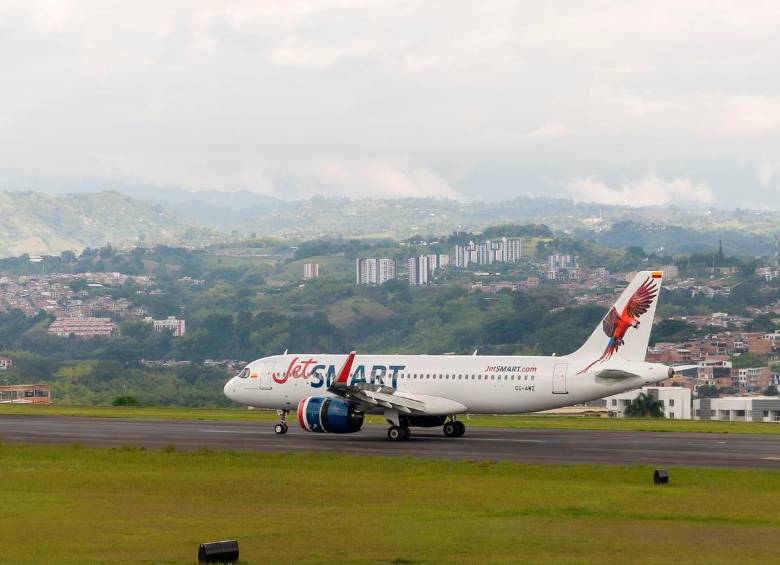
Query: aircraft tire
[450, 429]
[461, 428]
[396, 433]
[280, 429]
[407, 432]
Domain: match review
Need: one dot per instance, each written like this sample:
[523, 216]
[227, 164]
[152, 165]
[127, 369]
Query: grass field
[78, 505]
[524, 421]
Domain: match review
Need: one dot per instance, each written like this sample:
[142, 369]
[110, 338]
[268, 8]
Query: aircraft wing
[366, 396]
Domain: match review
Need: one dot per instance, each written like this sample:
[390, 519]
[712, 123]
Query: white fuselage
[449, 384]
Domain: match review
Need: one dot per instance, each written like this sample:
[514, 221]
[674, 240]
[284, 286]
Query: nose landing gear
[281, 427]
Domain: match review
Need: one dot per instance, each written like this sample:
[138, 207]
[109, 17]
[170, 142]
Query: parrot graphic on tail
[615, 325]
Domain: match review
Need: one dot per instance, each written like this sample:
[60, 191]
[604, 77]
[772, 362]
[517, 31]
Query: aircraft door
[559, 379]
[265, 376]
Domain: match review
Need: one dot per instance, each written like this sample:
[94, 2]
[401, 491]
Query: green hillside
[39, 224]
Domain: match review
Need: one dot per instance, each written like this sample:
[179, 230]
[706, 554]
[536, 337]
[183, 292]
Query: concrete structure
[311, 271]
[753, 379]
[374, 271]
[511, 249]
[419, 270]
[25, 394]
[171, 323]
[462, 257]
[563, 267]
[5, 363]
[86, 328]
[504, 250]
[738, 409]
[676, 401]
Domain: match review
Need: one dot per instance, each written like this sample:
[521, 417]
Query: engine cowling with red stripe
[324, 414]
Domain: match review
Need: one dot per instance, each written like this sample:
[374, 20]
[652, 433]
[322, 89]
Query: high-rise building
[512, 248]
[562, 266]
[483, 254]
[461, 256]
[374, 271]
[385, 270]
[419, 270]
[505, 250]
[311, 270]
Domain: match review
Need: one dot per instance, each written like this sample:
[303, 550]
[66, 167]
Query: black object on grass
[218, 552]
[660, 476]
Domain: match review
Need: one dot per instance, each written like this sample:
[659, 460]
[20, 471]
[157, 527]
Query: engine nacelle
[324, 414]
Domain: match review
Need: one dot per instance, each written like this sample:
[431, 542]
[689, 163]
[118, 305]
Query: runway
[491, 444]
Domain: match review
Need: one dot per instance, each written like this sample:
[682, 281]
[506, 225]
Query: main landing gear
[454, 428]
[281, 427]
[398, 433]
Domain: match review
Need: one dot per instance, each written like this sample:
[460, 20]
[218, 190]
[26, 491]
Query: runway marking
[771, 458]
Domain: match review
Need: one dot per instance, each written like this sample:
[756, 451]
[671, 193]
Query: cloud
[372, 96]
[377, 180]
[648, 191]
[551, 130]
[766, 174]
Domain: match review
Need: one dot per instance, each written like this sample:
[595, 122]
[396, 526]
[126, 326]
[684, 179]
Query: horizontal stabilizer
[615, 374]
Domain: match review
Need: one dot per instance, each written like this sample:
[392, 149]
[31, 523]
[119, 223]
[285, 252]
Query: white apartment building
[462, 256]
[386, 270]
[419, 270]
[505, 250]
[171, 323]
[374, 271]
[676, 401]
[738, 409]
[511, 249]
[311, 271]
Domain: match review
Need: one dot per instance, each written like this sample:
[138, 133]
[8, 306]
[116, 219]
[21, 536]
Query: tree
[708, 391]
[125, 400]
[772, 391]
[644, 406]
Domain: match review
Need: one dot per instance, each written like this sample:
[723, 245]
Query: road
[520, 445]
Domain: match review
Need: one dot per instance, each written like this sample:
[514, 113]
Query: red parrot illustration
[615, 325]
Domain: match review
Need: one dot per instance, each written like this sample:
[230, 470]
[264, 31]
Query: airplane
[333, 393]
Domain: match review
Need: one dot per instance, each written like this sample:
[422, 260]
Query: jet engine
[334, 415]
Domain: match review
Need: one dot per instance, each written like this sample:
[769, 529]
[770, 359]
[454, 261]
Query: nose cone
[230, 389]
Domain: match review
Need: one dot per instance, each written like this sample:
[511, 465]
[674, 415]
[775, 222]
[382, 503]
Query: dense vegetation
[249, 306]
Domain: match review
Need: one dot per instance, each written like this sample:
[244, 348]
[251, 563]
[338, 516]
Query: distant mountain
[47, 223]
[37, 223]
[675, 229]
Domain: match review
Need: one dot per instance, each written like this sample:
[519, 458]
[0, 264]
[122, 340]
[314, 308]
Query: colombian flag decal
[657, 274]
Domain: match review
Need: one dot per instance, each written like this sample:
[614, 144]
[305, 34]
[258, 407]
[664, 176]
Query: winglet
[346, 369]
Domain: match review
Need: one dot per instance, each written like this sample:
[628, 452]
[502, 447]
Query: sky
[626, 102]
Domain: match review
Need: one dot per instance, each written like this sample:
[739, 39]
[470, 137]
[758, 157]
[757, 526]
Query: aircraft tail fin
[625, 331]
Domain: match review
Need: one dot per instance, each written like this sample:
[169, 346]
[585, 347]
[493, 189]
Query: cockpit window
[244, 373]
